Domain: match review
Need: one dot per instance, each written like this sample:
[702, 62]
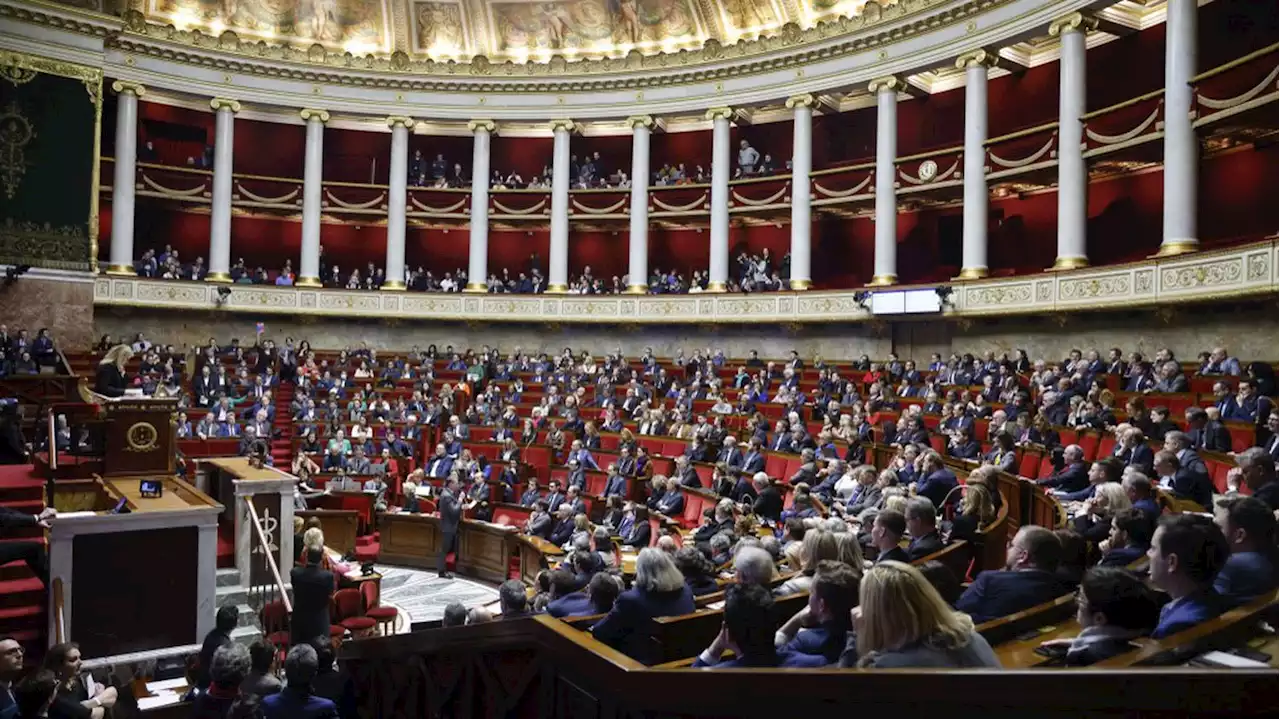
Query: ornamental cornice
[790, 46]
[1244, 271]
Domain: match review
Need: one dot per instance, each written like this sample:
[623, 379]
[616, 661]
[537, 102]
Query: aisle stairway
[282, 446]
[22, 595]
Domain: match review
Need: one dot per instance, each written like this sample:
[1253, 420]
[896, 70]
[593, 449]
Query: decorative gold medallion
[142, 437]
[15, 134]
[928, 170]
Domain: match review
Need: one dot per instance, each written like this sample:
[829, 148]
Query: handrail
[1021, 133]
[266, 550]
[53, 441]
[66, 364]
[1121, 105]
[59, 613]
[1236, 62]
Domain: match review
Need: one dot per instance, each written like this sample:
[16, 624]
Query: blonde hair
[118, 355]
[313, 539]
[977, 500]
[1114, 495]
[901, 608]
[849, 551]
[817, 545]
[297, 524]
[791, 554]
[897, 503]
[580, 523]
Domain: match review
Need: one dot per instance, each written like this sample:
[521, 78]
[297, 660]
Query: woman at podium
[110, 380]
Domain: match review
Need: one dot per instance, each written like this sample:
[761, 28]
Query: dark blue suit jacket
[824, 640]
[1245, 577]
[626, 626]
[936, 486]
[290, 704]
[1000, 593]
[1187, 612]
[1121, 556]
[1073, 478]
[577, 604]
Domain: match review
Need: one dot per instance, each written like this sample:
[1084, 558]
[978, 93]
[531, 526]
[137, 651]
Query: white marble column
[801, 214]
[1181, 147]
[397, 197]
[220, 213]
[1073, 174]
[975, 64]
[558, 271]
[312, 185]
[126, 170]
[721, 170]
[886, 214]
[638, 244]
[478, 249]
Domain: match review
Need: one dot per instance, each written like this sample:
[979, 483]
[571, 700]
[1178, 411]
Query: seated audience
[818, 545]
[261, 680]
[227, 672]
[598, 598]
[886, 536]
[748, 632]
[1186, 554]
[922, 524]
[78, 695]
[823, 625]
[1029, 578]
[1113, 607]
[1129, 539]
[1250, 571]
[659, 590]
[901, 621]
[296, 700]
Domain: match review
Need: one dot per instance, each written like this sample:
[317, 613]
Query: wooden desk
[483, 551]
[1021, 653]
[239, 468]
[359, 502]
[534, 555]
[340, 527]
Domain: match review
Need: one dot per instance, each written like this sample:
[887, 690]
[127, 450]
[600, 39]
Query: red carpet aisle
[22, 596]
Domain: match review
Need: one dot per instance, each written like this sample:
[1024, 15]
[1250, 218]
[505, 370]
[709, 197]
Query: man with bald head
[1028, 579]
[1074, 475]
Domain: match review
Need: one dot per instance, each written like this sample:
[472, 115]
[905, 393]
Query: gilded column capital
[891, 83]
[977, 58]
[395, 120]
[645, 121]
[562, 125]
[477, 125]
[720, 113]
[804, 100]
[222, 103]
[123, 86]
[312, 113]
[1073, 22]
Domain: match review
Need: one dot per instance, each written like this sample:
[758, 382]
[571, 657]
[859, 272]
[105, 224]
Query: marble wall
[62, 302]
[1249, 331]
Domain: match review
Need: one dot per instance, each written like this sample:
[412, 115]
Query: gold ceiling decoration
[498, 31]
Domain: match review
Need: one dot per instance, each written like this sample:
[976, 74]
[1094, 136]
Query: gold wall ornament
[977, 58]
[16, 75]
[142, 437]
[16, 133]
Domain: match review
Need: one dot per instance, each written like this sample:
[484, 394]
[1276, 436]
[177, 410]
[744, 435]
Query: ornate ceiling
[518, 30]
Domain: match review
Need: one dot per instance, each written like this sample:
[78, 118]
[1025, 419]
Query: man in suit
[808, 470]
[1130, 538]
[1254, 469]
[312, 590]
[616, 484]
[671, 503]
[31, 552]
[1029, 578]
[922, 523]
[686, 475]
[449, 507]
[440, 464]
[748, 619]
[938, 480]
[580, 453]
[1206, 433]
[886, 536]
[296, 701]
[1074, 475]
[782, 438]
[626, 464]
[554, 495]
[753, 460]
[768, 502]
[540, 521]
[563, 529]
[1134, 452]
[1190, 474]
[531, 495]
[1250, 571]
[598, 598]
[1186, 554]
[573, 500]
[730, 454]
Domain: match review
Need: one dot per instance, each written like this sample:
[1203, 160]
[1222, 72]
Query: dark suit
[937, 486]
[1192, 481]
[292, 704]
[921, 547]
[1140, 456]
[752, 463]
[1212, 437]
[1000, 593]
[1073, 478]
[540, 525]
[110, 380]
[312, 590]
[639, 535]
[450, 508]
[896, 554]
[30, 552]
[768, 505]
[577, 604]
[625, 627]
[562, 531]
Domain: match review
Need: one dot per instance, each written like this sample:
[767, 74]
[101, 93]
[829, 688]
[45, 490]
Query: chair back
[369, 594]
[274, 617]
[346, 604]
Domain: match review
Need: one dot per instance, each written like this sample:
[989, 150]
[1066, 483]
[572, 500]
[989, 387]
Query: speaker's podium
[133, 552]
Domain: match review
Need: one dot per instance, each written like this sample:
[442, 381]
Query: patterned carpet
[421, 596]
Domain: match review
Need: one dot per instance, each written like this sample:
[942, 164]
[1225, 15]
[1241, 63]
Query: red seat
[1088, 442]
[775, 465]
[384, 616]
[1106, 445]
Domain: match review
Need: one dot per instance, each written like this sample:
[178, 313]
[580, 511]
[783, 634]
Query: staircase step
[26, 506]
[21, 592]
[29, 616]
[229, 577]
